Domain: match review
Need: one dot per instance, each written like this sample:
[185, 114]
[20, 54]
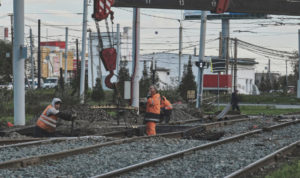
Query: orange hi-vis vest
[166, 104]
[48, 123]
[153, 108]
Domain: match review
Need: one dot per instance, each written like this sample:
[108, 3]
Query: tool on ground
[102, 10]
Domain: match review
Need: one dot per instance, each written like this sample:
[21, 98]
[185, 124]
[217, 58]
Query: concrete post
[298, 84]
[31, 58]
[18, 63]
[201, 57]
[135, 57]
[66, 57]
[118, 47]
[83, 48]
[180, 51]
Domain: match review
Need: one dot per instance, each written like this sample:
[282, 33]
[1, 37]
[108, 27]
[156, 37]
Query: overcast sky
[160, 34]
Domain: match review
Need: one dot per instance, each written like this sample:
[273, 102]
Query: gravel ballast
[241, 127]
[223, 159]
[12, 153]
[216, 162]
[104, 159]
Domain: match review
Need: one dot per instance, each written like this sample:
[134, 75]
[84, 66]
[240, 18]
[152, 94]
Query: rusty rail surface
[273, 157]
[38, 141]
[179, 134]
[23, 162]
[134, 167]
[14, 141]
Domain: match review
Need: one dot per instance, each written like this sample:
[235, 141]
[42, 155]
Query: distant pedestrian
[235, 101]
[46, 123]
[152, 111]
[166, 110]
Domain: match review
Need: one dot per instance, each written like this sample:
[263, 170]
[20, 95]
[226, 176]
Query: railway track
[111, 155]
[179, 164]
[8, 141]
[251, 169]
[178, 130]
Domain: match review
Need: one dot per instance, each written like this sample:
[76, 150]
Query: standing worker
[166, 110]
[152, 110]
[235, 101]
[46, 123]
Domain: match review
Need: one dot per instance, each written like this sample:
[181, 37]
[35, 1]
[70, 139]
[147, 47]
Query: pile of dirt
[202, 134]
[181, 112]
[85, 112]
[180, 115]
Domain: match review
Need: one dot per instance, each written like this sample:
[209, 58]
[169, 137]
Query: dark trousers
[38, 132]
[165, 116]
[235, 106]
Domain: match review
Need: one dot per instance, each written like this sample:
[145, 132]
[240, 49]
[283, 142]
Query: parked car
[9, 86]
[51, 82]
[28, 83]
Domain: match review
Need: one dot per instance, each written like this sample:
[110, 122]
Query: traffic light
[200, 64]
[218, 65]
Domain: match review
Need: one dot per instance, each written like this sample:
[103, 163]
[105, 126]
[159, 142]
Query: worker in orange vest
[152, 111]
[165, 110]
[46, 123]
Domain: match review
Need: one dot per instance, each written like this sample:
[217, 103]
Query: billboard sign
[196, 15]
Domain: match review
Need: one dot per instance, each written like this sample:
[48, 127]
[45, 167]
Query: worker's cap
[56, 101]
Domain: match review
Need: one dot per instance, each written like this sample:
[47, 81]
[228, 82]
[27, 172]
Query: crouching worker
[166, 110]
[46, 123]
[152, 111]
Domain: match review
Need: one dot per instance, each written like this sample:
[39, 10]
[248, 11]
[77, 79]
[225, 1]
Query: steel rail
[14, 141]
[273, 157]
[179, 134]
[23, 162]
[234, 117]
[46, 141]
[127, 169]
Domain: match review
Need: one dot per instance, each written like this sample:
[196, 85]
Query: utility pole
[180, 50]
[31, 58]
[220, 46]
[118, 46]
[77, 60]
[61, 80]
[153, 69]
[39, 53]
[225, 39]
[99, 58]
[201, 58]
[84, 26]
[135, 58]
[91, 56]
[66, 56]
[235, 65]
[298, 84]
[269, 72]
[18, 63]
[286, 76]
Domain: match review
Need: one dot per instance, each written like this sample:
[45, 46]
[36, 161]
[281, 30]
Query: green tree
[276, 84]
[268, 83]
[123, 76]
[98, 92]
[145, 82]
[262, 85]
[153, 72]
[5, 62]
[187, 82]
